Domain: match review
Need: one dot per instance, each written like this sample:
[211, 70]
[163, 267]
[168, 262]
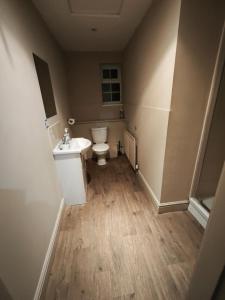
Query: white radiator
[130, 148]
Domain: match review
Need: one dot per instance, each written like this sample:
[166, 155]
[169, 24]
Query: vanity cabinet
[71, 169]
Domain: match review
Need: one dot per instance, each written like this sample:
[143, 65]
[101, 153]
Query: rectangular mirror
[45, 84]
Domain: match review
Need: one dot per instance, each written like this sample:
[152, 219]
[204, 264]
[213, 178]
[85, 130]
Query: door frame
[208, 113]
[210, 262]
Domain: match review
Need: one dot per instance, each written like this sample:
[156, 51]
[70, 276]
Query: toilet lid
[100, 147]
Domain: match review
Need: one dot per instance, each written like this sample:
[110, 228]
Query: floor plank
[117, 246]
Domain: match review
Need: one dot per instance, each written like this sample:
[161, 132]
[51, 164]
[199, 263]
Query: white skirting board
[154, 197]
[44, 269]
[198, 211]
[148, 188]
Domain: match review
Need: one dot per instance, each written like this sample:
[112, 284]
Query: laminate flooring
[117, 247]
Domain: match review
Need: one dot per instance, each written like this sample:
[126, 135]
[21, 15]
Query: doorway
[211, 154]
[214, 155]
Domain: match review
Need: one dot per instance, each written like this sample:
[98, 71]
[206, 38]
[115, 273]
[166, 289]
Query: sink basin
[76, 145]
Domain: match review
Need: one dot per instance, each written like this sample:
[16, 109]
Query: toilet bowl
[100, 147]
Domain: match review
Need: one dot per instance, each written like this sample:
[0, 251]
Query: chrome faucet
[66, 137]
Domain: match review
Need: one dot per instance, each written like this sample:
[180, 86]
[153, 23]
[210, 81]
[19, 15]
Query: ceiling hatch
[95, 7]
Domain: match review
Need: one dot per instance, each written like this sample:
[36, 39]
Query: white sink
[76, 145]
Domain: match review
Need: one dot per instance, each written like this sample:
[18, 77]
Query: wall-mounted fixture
[71, 121]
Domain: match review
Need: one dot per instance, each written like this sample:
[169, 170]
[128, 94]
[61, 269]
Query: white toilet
[100, 147]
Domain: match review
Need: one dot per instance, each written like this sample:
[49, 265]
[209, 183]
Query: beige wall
[29, 193]
[148, 76]
[84, 81]
[220, 289]
[198, 40]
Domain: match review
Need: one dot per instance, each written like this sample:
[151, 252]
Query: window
[111, 84]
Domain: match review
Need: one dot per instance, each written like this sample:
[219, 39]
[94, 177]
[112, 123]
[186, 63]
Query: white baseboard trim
[160, 206]
[44, 269]
[198, 212]
[149, 189]
[163, 204]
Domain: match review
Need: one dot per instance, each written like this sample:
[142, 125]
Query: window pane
[106, 74]
[115, 87]
[106, 97]
[106, 87]
[114, 73]
[115, 96]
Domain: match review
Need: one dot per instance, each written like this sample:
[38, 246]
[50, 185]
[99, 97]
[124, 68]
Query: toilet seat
[100, 147]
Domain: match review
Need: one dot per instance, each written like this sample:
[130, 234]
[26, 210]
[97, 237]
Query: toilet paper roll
[71, 121]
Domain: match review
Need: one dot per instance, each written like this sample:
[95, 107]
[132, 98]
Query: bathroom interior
[112, 128]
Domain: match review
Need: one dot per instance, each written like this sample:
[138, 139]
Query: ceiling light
[97, 8]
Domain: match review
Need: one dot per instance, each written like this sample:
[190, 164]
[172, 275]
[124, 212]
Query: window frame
[111, 81]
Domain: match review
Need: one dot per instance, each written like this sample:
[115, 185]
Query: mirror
[45, 84]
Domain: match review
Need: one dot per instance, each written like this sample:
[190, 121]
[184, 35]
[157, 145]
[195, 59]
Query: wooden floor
[117, 247]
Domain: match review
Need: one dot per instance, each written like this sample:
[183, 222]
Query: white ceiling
[92, 25]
